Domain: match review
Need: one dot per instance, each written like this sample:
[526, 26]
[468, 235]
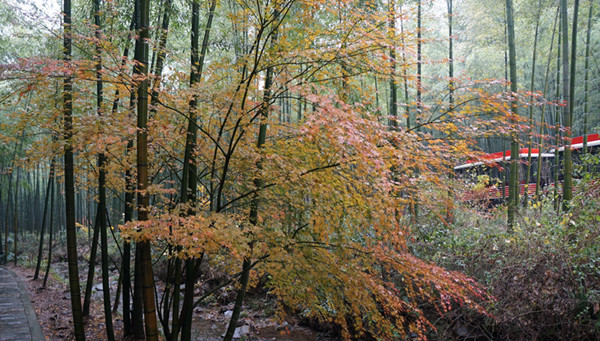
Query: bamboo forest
[299, 170]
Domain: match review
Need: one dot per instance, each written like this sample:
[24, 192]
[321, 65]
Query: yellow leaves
[193, 235]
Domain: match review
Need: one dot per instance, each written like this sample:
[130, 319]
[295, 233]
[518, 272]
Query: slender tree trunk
[118, 293]
[450, 8]
[129, 202]
[393, 115]
[404, 75]
[419, 84]
[125, 273]
[568, 89]
[160, 57]
[259, 184]
[43, 228]
[137, 312]
[531, 122]
[543, 114]
[35, 197]
[513, 182]
[16, 217]
[70, 184]
[586, 109]
[87, 298]
[157, 69]
[150, 320]
[126, 262]
[50, 228]
[102, 210]
[557, 130]
[176, 298]
[419, 61]
[192, 267]
[450, 57]
[190, 179]
[9, 197]
[104, 247]
[189, 182]
[419, 115]
[1, 228]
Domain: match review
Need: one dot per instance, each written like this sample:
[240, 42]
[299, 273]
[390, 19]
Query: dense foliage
[277, 154]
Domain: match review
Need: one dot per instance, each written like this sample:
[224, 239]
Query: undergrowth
[545, 275]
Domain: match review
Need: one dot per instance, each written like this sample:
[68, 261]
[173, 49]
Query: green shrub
[545, 275]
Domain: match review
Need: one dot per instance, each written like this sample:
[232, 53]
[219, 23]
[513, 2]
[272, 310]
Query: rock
[228, 313]
[463, 331]
[244, 330]
[98, 287]
[241, 331]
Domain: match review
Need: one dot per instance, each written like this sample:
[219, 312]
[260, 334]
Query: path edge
[32, 321]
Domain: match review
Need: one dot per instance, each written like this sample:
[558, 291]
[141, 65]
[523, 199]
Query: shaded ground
[53, 308]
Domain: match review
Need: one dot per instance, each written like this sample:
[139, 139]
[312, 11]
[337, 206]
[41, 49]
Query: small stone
[241, 332]
[244, 330]
[228, 313]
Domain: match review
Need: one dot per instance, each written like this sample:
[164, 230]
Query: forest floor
[53, 308]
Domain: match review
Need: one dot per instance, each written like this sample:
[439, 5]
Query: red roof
[591, 137]
[507, 153]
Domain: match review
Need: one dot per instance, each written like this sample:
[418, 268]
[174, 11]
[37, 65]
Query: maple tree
[231, 187]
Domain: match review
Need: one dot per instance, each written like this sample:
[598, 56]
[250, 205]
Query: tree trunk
[157, 69]
[259, 184]
[543, 114]
[531, 123]
[102, 210]
[43, 227]
[129, 202]
[87, 298]
[450, 57]
[404, 75]
[586, 109]
[104, 247]
[16, 217]
[419, 65]
[50, 232]
[150, 320]
[160, 56]
[137, 312]
[557, 130]
[126, 261]
[513, 181]
[70, 184]
[568, 89]
[189, 178]
[393, 114]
